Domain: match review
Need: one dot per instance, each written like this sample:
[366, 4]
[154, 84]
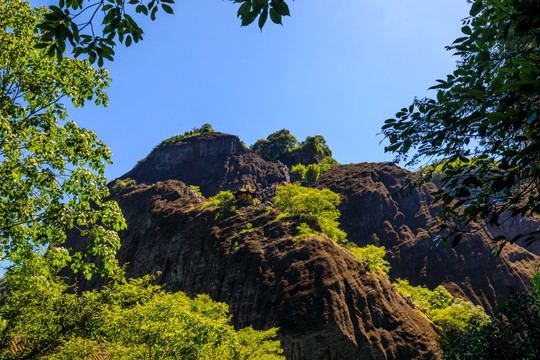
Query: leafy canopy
[512, 333]
[449, 314]
[51, 171]
[95, 27]
[373, 256]
[314, 205]
[127, 319]
[486, 110]
[275, 145]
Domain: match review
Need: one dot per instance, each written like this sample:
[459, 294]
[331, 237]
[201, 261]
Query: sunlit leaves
[486, 111]
[52, 171]
[127, 319]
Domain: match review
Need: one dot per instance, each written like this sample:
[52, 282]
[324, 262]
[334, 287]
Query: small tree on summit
[275, 145]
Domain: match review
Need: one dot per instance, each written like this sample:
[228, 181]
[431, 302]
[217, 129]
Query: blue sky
[337, 69]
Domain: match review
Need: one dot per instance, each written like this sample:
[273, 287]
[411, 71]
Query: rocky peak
[212, 161]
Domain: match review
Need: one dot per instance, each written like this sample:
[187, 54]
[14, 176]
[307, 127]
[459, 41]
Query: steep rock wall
[370, 215]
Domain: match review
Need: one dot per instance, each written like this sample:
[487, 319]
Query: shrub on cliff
[224, 201]
[373, 256]
[449, 314]
[313, 204]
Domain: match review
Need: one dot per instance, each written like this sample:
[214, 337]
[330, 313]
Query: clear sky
[337, 69]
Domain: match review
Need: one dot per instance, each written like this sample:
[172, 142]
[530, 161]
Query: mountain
[370, 215]
[325, 302]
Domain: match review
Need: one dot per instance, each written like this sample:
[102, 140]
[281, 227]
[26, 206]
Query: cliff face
[325, 303]
[370, 216]
[213, 161]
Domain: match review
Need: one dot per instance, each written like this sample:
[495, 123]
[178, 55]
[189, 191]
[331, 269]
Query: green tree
[128, 319]
[52, 171]
[373, 256]
[486, 110]
[316, 145]
[512, 333]
[94, 27]
[297, 172]
[275, 145]
[314, 204]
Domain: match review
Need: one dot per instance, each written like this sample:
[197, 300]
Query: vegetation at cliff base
[41, 317]
[486, 110]
[450, 315]
[513, 331]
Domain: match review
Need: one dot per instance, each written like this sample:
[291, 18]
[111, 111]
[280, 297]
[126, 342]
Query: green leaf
[275, 16]
[167, 8]
[263, 17]
[476, 8]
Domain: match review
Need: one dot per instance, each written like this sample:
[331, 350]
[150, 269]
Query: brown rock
[325, 303]
[370, 215]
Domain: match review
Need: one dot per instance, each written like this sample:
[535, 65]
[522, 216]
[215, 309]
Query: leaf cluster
[315, 205]
[450, 315]
[512, 333]
[250, 10]
[73, 23]
[486, 110]
[310, 173]
[373, 256]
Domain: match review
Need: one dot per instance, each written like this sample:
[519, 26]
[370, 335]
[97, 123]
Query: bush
[449, 314]
[512, 333]
[297, 172]
[315, 204]
[458, 317]
[373, 256]
[312, 173]
[121, 184]
[224, 201]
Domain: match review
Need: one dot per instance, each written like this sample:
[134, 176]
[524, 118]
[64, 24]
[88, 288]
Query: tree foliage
[95, 27]
[373, 256]
[486, 110]
[127, 319]
[450, 315]
[512, 333]
[52, 171]
[275, 145]
[313, 204]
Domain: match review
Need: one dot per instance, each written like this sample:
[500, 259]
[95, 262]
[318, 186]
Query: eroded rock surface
[213, 161]
[324, 302]
[370, 216]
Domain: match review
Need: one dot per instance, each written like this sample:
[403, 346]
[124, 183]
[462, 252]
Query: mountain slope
[325, 303]
[370, 216]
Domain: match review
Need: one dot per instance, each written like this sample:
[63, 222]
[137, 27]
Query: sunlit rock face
[325, 303]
